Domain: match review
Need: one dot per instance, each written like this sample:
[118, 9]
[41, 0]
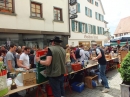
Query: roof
[102, 6]
[123, 26]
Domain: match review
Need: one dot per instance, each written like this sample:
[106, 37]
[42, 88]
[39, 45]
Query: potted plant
[124, 71]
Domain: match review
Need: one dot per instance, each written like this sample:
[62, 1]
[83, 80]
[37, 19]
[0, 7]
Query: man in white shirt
[24, 59]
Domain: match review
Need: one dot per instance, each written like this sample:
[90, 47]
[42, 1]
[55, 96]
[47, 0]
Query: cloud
[115, 10]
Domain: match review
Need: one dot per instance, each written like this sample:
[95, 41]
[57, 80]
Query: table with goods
[27, 80]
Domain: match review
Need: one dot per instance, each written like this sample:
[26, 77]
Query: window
[83, 27]
[76, 26]
[99, 17]
[116, 35]
[96, 3]
[36, 10]
[121, 34]
[90, 1]
[89, 28]
[57, 14]
[88, 12]
[6, 6]
[125, 33]
[78, 7]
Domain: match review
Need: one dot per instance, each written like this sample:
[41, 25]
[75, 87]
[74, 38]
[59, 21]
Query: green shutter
[80, 27]
[96, 15]
[97, 3]
[94, 29]
[86, 28]
[86, 11]
[78, 7]
[90, 13]
[103, 31]
[102, 18]
[98, 29]
[73, 25]
[91, 29]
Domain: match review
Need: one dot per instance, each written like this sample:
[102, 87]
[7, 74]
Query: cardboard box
[29, 78]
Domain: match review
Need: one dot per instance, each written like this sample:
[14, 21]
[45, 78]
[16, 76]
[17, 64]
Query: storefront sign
[73, 2]
[73, 16]
[90, 37]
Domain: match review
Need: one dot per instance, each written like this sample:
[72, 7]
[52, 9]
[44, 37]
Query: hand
[37, 59]
[27, 68]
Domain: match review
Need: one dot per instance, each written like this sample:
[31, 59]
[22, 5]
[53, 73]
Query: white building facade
[33, 22]
[89, 25]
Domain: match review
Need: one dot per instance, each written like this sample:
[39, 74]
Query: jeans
[57, 85]
[102, 69]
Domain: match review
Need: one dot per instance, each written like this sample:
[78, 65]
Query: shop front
[86, 39]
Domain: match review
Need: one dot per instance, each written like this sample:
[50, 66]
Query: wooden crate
[88, 81]
[123, 54]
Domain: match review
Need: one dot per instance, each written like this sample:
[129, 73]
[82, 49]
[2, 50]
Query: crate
[78, 87]
[29, 78]
[41, 72]
[125, 92]
[76, 67]
[49, 90]
[89, 79]
[41, 53]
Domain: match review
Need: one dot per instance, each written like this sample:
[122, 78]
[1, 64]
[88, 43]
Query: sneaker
[105, 90]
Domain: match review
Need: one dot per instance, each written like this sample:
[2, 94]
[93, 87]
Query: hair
[32, 51]
[68, 50]
[12, 45]
[86, 48]
[26, 48]
[19, 51]
[4, 51]
[81, 45]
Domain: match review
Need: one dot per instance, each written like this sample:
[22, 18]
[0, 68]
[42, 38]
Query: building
[90, 25]
[123, 27]
[33, 22]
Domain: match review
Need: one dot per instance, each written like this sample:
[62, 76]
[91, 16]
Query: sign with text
[90, 37]
[73, 2]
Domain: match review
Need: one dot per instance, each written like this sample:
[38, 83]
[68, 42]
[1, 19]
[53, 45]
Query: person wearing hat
[55, 66]
[102, 66]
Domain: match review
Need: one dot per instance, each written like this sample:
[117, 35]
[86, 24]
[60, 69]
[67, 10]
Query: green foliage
[125, 68]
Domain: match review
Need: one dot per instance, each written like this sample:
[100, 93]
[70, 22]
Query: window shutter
[92, 1]
[73, 25]
[80, 27]
[97, 3]
[103, 31]
[91, 29]
[78, 7]
[98, 29]
[86, 11]
[96, 15]
[102, 18]
[86, 28]
[90, 13]
[95, 29]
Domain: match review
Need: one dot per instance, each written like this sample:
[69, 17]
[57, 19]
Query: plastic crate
[78, 87]
[76, 67]
[41, 72]
[41, 53]
[49, 90]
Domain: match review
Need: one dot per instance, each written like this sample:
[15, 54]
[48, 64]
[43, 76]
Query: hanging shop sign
[73, 2]
[73, 9]
[73, 16]
[90, 37]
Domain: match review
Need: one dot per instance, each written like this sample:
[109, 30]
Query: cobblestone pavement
[114, 80]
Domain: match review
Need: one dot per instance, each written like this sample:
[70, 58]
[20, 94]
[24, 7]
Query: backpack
[77, 53]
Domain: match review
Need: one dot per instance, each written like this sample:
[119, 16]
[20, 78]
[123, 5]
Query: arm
[73, 55]
[47, 62]
[99, 54]
[9, 65]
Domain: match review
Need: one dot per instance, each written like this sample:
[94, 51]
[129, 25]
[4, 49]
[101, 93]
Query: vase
[125, 90]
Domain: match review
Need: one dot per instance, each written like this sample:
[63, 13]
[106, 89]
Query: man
[80, 55]
[102, 66]
[11, 64]
[55, 64]
[23, 48]
[24, 59]
[10, 58]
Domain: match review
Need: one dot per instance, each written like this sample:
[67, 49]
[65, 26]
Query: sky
[114, 11]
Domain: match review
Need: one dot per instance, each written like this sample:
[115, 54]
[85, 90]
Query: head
[68, 50]
[13, 48]
[86, 48]
[94, 45]
[19, 51]
[27, 50]
[81, 46]
[55, 41]
[3, 52]
[31, 52]
[3, 47]
[23, 48]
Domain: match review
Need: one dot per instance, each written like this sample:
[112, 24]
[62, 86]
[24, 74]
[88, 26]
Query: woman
[19, 52]
[3, 57]
[68, 55]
